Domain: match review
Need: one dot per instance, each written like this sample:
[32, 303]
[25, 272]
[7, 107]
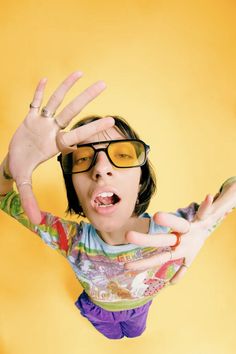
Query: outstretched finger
[176, 223]
[157, 240]
[75, 106]
[38, 95]
[78, 135]
[152, 261]
[29, 202]
[57, 97]
[204, 208]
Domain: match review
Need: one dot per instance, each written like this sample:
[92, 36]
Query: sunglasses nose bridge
[96, 152]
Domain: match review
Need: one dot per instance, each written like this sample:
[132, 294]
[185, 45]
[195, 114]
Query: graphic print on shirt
[105, 279]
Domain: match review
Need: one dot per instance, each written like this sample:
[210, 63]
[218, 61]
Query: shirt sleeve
[57, 233]
[188, 212]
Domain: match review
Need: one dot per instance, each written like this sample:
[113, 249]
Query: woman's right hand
[36, 139]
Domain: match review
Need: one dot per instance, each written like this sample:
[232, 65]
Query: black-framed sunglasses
[125, 153]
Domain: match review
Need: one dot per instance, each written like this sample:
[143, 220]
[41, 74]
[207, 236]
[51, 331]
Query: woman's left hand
[209, 215]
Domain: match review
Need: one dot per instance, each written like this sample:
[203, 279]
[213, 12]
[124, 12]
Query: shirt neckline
[127, 246]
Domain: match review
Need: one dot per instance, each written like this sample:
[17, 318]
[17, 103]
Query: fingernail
[102, 84]
[78, 73]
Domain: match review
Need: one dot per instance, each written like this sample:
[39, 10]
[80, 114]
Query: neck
[117, 237]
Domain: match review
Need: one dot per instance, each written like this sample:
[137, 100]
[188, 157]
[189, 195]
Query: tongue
[104, 200]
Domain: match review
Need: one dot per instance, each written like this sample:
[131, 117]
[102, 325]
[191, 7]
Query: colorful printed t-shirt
[99, 266]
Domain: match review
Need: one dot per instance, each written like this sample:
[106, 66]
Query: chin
[109, 223]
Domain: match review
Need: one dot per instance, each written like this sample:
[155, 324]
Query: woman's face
[106, 193]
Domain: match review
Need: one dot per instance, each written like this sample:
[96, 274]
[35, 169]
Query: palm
[30, 145]
[38, 139]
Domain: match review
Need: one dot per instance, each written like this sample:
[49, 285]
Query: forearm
[6, 180]
[213, 211]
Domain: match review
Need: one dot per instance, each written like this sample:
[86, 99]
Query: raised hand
[193, 235]
[37, 138]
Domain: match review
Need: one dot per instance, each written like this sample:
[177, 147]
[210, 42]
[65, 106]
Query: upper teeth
[105, 194]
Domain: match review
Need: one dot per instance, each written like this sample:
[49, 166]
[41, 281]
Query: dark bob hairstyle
[147, 179]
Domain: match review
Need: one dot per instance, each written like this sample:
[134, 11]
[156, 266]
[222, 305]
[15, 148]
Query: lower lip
[105, 210]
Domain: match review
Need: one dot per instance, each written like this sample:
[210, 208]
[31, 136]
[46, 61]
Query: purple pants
[114, 324]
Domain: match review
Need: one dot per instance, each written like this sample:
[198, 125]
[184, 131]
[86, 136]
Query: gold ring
[32, 106]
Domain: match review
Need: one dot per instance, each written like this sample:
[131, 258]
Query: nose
[102, 166]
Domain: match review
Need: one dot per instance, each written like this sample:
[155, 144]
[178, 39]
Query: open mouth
[106, 199]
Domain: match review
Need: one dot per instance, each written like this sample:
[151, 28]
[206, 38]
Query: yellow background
[170, 70]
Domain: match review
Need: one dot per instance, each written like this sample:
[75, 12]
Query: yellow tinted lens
[127, 153]
[82, 158]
